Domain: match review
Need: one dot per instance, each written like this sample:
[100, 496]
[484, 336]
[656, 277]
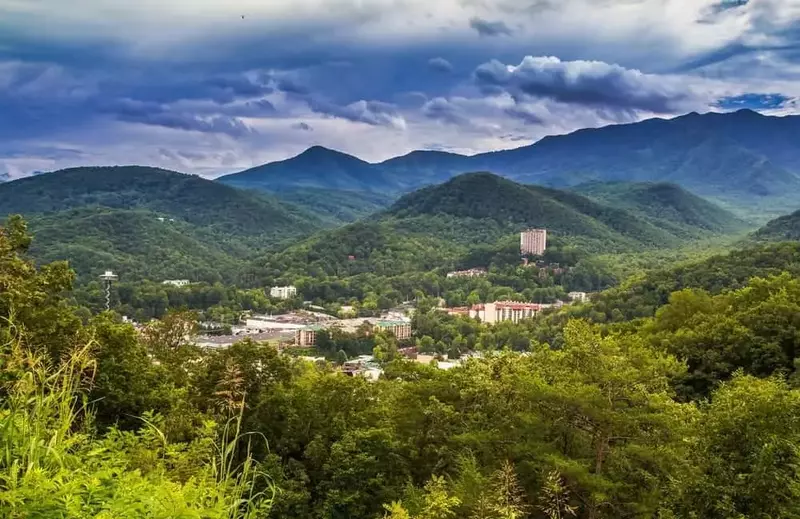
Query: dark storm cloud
[525, 115]
[155, 114]
[440, 65]
[440, 109]
[184, 121]
[374, 113]
[489, 28]
[590, 83]
[165, 86]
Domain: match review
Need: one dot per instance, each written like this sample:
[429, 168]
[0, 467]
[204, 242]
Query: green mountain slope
[780, 229]
[133, 243]
[148, 222]
[193, 199]
[665, 205]
[336, 207]
[439, 225]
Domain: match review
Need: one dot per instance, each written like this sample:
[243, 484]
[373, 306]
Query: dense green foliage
[56, 461]
[690, 413]
[782, 228]
[150, 223]
[470, 221]
[336, 207]
[135, 243]
[665, 205]
[641, 295]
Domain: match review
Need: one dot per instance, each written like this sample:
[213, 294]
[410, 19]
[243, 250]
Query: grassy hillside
[665, 205]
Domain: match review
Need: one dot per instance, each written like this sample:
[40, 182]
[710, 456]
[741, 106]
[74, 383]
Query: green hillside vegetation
[665, 205]
[135, 244]
[644, 294]
[514, 206]
[782, 228]
[470, 221]
[336, 207]
[188, 197]
[151, 223]
[692, 413]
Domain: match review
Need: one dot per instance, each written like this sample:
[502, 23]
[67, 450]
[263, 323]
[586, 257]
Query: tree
[507, 497]
[745, 454]
[438, 503]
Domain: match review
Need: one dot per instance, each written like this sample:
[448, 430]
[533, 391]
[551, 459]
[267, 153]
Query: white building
[470, 273]
[176, 282]
[578, 297]
[491, 313]
[533, 242]
[283, 292]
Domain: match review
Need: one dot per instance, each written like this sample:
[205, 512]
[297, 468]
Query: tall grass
[53, 464]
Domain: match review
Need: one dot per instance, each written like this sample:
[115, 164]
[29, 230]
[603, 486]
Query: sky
[216, 86]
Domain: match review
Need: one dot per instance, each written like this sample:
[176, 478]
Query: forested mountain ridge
[335, 207]
[189, 197]
[150, 223]
[317, 167]
[782, 228]
[740, 157]
[664, 204]
[438, 226]
[135, 244]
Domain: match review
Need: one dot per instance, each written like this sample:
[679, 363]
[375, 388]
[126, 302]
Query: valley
[380, 329]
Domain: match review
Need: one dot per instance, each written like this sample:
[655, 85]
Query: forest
[683, 405]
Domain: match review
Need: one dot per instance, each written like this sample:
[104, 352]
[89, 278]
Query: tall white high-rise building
[533, 242]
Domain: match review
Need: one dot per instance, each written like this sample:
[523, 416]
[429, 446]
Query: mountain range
[475, 217]
[739, 158]
[156, 224]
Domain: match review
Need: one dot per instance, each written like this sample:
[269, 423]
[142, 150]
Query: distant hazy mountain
[316, 167]
[148, 222]
[742, 156]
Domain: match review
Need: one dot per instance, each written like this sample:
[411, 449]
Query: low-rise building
[286, 292]
[578, 297]
[469, 273]
[400, 329]
[176, 282]
[307, 335]
[499, 311]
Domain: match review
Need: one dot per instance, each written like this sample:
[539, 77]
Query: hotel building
[533, 242]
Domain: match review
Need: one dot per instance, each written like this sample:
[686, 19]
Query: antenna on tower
[107, 278]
